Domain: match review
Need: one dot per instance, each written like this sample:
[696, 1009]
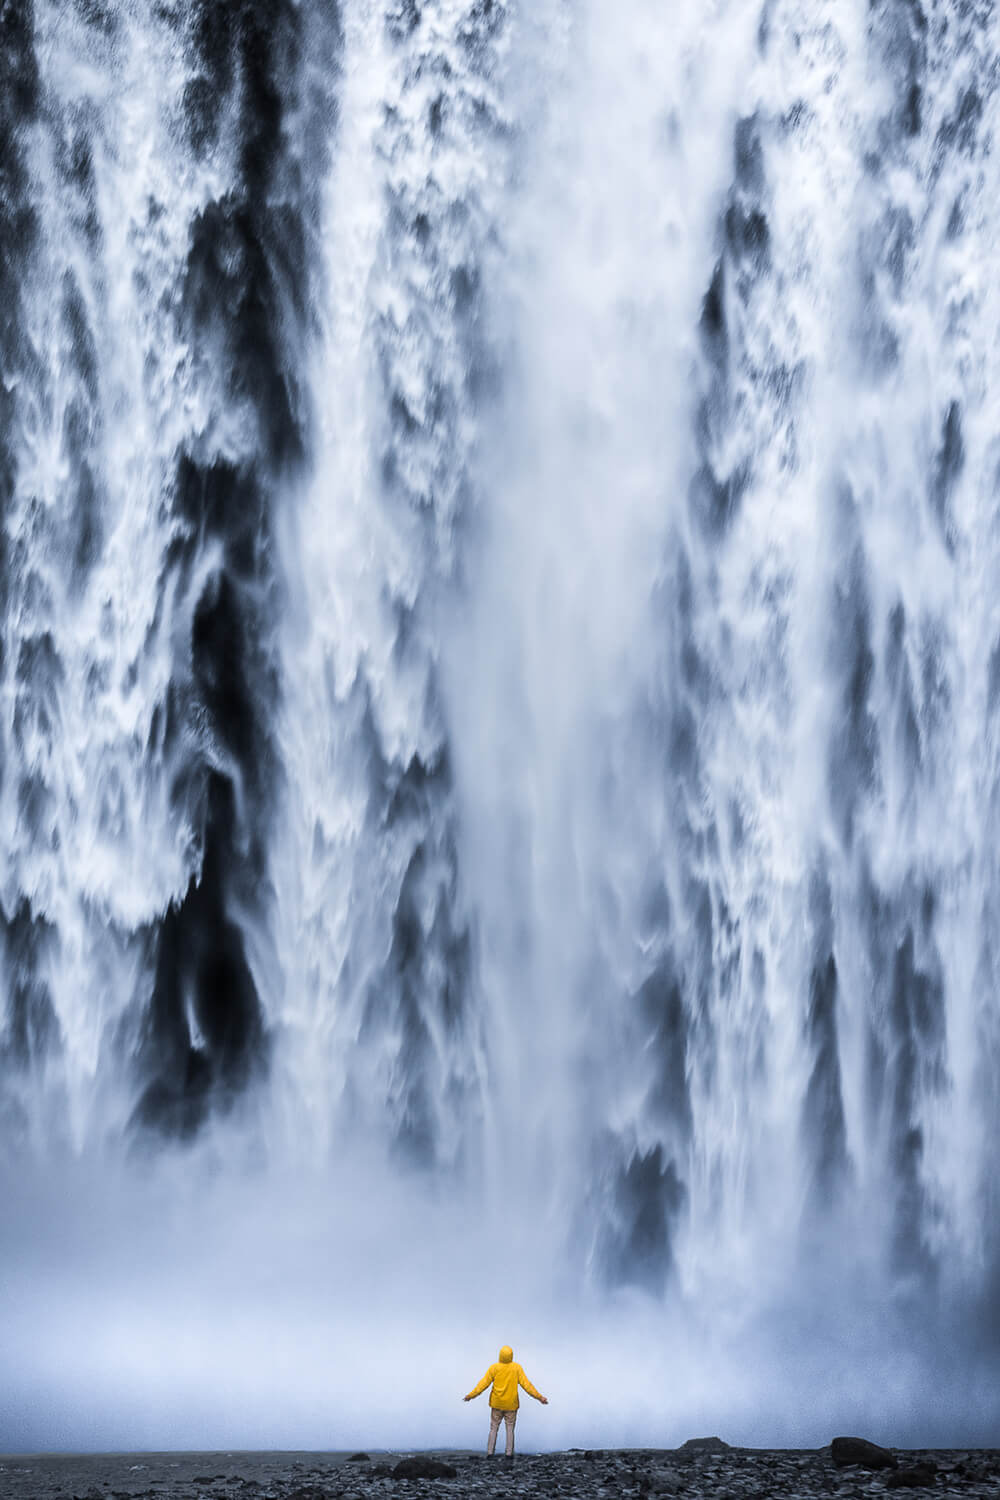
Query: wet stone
[422, 1467]
[856, 1450]
[916, 1476]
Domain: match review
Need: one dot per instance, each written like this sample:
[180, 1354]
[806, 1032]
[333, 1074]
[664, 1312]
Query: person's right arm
[478, 1389]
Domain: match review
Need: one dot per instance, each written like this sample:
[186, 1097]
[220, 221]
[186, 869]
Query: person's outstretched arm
[477, 1390]
[522, 1379]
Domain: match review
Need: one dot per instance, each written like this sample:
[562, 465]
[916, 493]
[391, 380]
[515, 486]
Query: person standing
[505, 1376]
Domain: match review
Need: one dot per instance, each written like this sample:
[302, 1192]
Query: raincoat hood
[506, 1354]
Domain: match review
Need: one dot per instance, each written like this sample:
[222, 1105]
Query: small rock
[421, 1467]
[916, 1475]
[665, 1482]
[855, 1450]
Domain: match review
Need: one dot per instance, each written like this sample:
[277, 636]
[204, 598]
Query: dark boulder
[421, 1467]
[705, 1445]
[855, 1450]
[914, 1477]
[359, 1458]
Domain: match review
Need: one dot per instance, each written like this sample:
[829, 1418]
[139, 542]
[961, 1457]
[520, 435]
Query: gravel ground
[702, 1473]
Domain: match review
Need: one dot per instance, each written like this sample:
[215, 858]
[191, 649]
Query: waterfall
[499, 711]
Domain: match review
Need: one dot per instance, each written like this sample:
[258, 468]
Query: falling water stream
[499, 718]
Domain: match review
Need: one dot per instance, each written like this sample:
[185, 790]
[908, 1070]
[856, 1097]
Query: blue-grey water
[499, 718]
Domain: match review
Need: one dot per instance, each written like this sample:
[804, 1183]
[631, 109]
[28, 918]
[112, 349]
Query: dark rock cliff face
[243, 309]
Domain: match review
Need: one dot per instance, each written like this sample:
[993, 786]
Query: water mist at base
[499, 708]
[188, 1312]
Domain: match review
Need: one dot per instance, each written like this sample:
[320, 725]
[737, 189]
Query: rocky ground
[704, 1469]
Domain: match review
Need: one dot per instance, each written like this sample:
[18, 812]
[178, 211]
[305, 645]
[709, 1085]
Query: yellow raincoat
[506, 1376]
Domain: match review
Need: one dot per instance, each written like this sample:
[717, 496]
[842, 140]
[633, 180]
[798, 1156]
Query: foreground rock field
[702, 1470]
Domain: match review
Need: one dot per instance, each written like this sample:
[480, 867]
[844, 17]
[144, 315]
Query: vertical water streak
[588, 462]
[382, 1038]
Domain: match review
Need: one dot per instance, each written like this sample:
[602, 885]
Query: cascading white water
[499, 716]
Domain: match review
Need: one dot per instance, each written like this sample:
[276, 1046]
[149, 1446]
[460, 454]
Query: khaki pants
[510, 1417]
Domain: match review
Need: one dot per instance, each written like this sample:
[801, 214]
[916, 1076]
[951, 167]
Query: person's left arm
[523, 1380]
